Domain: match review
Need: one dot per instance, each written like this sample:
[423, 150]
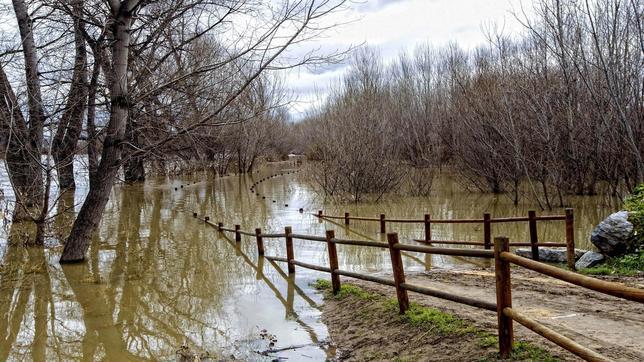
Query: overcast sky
[394, 26]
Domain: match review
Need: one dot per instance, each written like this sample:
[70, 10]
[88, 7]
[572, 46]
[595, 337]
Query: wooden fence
[506, 315]
[532, 219]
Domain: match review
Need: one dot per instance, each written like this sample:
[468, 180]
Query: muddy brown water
[160, 281]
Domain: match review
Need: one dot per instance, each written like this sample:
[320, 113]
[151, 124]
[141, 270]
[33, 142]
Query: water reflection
[158, 279]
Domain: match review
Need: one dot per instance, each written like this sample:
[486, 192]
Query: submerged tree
[145, 79]
[273, 28]
[555, 110]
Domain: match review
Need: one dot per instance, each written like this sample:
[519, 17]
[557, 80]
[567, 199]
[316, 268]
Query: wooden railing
[502, 259]
[486, 222]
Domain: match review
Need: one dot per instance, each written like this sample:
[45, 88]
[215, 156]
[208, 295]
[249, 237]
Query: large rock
[550, 255]
[612, 235]
[589, 259]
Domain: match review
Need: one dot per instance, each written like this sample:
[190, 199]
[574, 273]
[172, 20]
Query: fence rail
[487, 222]
[506, 314]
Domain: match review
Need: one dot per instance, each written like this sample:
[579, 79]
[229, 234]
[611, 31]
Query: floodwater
[161, 282]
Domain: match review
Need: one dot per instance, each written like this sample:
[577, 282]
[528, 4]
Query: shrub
[635, 205]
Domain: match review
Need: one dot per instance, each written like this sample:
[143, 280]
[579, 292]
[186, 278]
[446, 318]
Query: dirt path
[611, 326]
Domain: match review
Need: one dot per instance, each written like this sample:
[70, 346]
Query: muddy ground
[365, 330]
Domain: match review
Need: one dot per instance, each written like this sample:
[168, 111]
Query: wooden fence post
[503, 296]
[237, 234]
[333, 261]
[534, 238]
[346, 218]
[194, 214]
[428, 228]
[220, 225]
[320, 214]
[289, 249]
[487, 231]
[206, 218]
[383, 227]
[399, 272]
[570, 239]
[260, 241]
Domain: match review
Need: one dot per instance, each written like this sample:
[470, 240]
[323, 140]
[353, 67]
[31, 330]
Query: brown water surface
[159, 279]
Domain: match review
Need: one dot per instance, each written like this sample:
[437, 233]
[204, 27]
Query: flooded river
[161, 281]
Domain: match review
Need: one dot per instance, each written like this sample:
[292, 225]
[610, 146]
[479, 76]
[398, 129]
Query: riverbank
[364, 324]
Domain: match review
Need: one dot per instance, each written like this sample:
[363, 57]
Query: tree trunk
[25, 146]
[134, 169]
[90, 214]
[71, 123]
[92, 136]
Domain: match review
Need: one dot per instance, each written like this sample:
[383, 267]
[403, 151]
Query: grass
[439, 323]
[432, 319]
[627, 265]
[346, 290]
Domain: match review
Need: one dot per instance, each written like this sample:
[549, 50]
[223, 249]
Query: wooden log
[447, 296]
[570, 239]
[375, 244]
[615, 289]
[237, 233]
[308, 237]
[346, 218]
[369, 278]
[477, 253]
[289, 249]
[549, 334]
[503, 296]
[450, 242]
[534, 238]
[399, 273]
[333, 261]
[487, 231]
[260, 241]
[428, 228]
[383, 227]
[310, 266]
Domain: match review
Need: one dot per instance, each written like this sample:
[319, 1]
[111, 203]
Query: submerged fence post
[487, 231]
[346, 218]
[503, 296]
[260, 241]
[534, 238]
[289, 249]
[383, 227]
[333, 261]
[428, 228]
[237, 234]
[399, 273]
[570, 239]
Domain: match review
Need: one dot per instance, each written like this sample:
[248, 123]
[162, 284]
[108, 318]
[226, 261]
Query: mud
[611, 326]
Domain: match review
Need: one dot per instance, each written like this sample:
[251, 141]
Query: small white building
[296, 159]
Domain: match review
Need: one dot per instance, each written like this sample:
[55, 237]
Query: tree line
[556, 110]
